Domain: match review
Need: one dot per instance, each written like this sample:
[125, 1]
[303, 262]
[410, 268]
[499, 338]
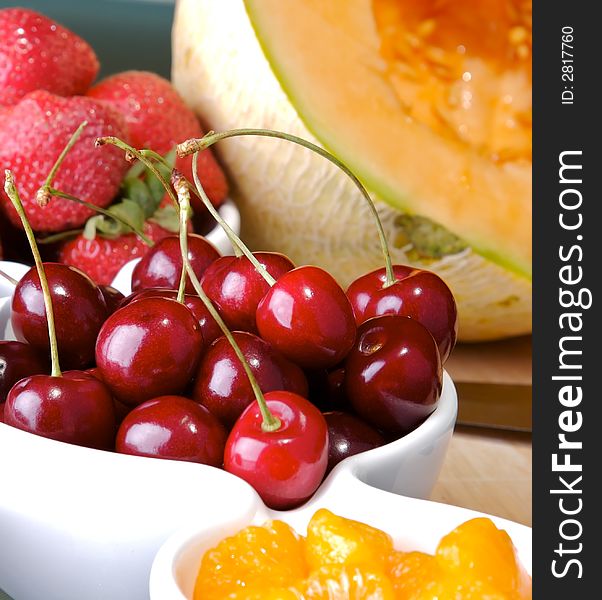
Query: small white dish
[413, 524]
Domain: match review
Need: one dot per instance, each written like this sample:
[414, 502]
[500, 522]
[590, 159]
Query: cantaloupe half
[427, 102]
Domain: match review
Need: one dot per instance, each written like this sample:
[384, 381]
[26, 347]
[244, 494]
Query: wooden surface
[494, 383]
[489, 471]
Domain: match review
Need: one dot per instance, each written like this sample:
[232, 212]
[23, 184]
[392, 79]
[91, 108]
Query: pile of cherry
[339, 372]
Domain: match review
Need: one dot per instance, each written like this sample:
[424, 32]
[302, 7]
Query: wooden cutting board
[494, 383]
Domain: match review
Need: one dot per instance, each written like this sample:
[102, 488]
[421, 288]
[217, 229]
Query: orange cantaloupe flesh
[428, 102]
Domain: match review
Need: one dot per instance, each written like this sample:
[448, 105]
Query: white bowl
[413, 524]
[79, 523]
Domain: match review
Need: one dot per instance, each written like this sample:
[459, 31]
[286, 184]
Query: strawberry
[38, 54]
[32, 135]
[158, 119]
[102, 257]
[105, 244]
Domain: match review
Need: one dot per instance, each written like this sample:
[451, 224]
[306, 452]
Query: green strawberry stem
[234, 239]
[8, 278]
[270, 422]
[130, 152]
[195, 145]
[13, 194]
[43, 192]
[183, 192]
[102, 211]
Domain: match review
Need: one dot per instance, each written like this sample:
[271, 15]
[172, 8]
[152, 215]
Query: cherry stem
[234, 239]
[130, 152]
[8, 278]
[13, 194]
[183, 192]
[45, 189]
[195, 145]
[103, 211]
[45, 192]
[270, 422]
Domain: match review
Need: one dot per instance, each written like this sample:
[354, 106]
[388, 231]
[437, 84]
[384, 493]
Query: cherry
[79, 308]
[173, 427]
[222, 385]
[209, 328]
[113, 298]
[161, 266]
[307, 316]
[393, 375]
[18, 360]
[148, 348]
[347, 436]
[327, 389]
[421, 295]
[76, 408]
[280, 443]
[121, 409]
[236, 286]
[287, 465]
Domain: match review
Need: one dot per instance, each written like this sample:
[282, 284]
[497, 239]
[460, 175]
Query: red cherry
[79, 312]
[121, 409]
[222, 385]
[209, 328]
[113, 297]
[76, 408]
[173, 427]
[236, 286]
[327, 389]
[285, 466]
[393, 375]
[148, 348]
[347, 436]
[308, 317]
[416, 293]
[18, 360]
[161, 266]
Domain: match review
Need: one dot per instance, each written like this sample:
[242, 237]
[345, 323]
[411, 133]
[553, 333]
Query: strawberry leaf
[168, 218]
[128, 210]
[154, 185]
[137, 191]
[135, 171]
[141, 195]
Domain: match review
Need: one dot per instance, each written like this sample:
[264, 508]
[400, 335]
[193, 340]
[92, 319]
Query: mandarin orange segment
[253, 560]
[261, 593]
[346, 582]
[335, 540]
[414, 575]
[478, 551]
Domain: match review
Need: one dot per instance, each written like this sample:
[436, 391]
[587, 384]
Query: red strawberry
[38, 54]
[102, 257]
[106, 244]
[158, 119]
[31, 138]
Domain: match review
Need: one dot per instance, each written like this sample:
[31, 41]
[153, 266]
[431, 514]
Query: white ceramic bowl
[413, 524]
[79, 523]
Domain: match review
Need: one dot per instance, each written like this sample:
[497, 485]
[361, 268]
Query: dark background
[125, 34]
